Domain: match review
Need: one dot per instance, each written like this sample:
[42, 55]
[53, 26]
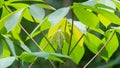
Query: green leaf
[108, 15]
[104, 20]
[4, 12]
[111, 47]
[45, 45]
[13, 20]
[10, 45]
[27, 57]
[37, 12]
[6, 62]
[18, 5]
[56, 16]
[77, 54]
[79, 51]
[1, 3]
[94, 44]
[86, 17]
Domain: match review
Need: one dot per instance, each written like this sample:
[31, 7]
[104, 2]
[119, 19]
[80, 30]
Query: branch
[71, 33]
[105, 44]
[77, 43]
[30, 37]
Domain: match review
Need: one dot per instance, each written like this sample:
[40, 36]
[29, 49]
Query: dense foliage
[35, 34]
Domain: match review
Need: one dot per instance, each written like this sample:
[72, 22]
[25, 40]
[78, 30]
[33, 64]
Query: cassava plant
[34, 34]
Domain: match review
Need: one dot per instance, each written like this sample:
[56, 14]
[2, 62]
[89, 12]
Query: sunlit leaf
[13, 20]
[18, 5]
[27, 57]
[104, 21]
[57, 15]
[108, 15]
[86, 17]
[77, 54]
[37, 12]
[6, 62]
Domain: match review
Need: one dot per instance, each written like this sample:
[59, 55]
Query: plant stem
[77, 43]
[44, 35]
[105, 44]
[71, 33]
[48, 41]
[7, 8]
[30, 37]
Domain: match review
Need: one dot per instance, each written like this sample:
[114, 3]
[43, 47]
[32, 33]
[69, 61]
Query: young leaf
[13, 20]
[37, 12]
[6, 62]
[56, 16]
[86, 17]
